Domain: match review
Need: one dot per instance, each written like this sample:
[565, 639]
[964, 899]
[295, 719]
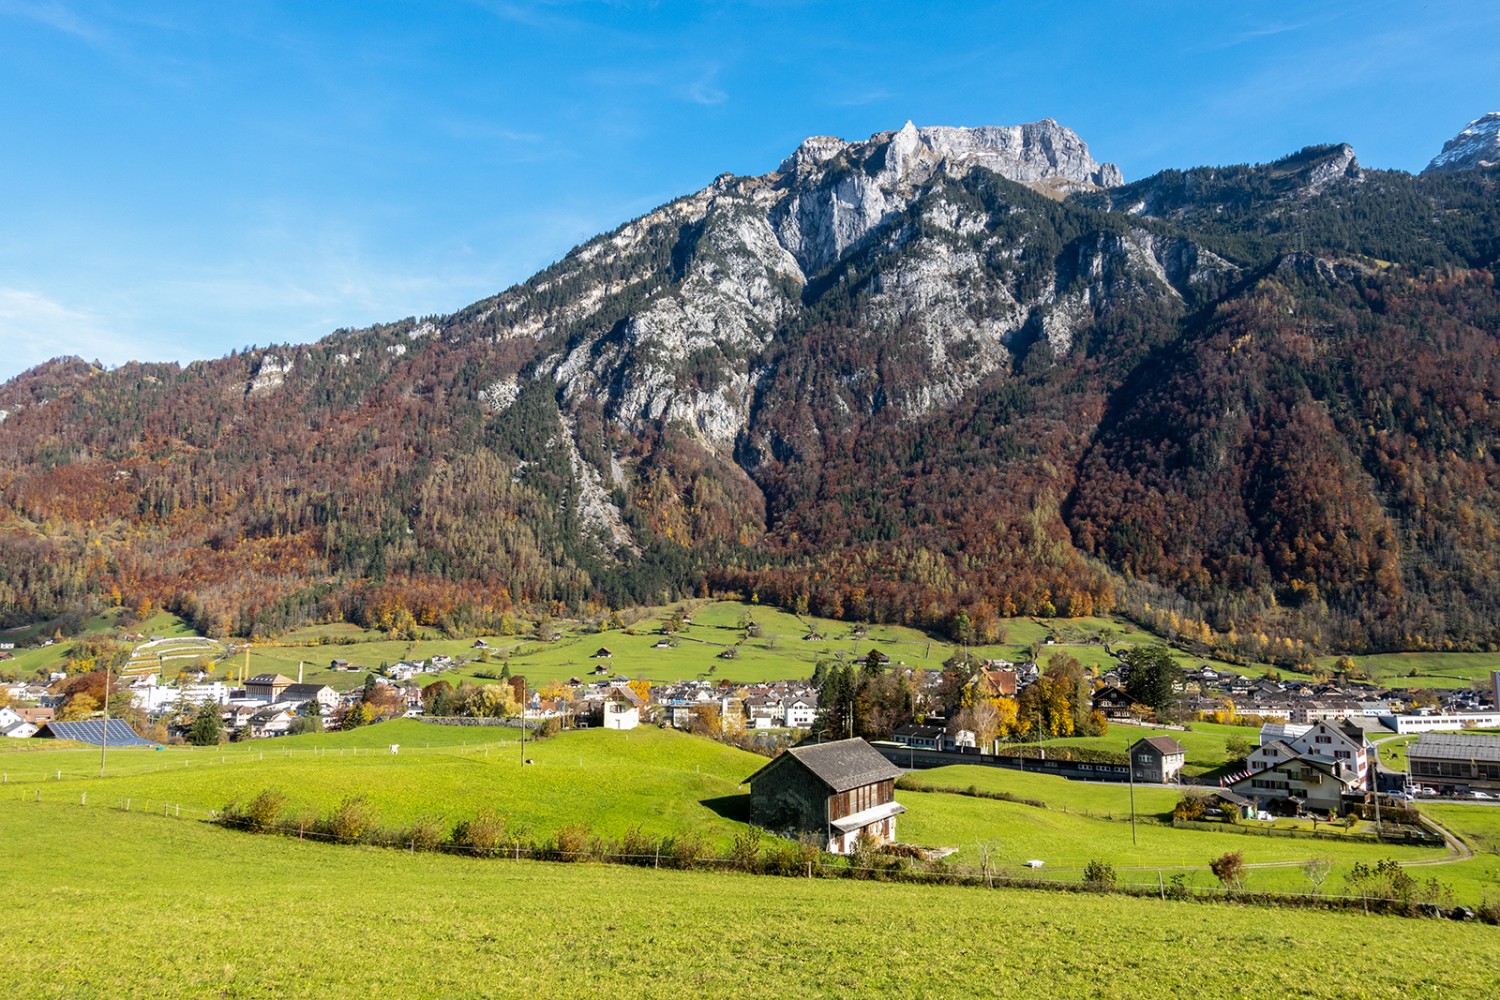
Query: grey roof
[846, 764]
[1456, 746]
[1162, 744]
[306, 692]
[92, 731]
[843, 764]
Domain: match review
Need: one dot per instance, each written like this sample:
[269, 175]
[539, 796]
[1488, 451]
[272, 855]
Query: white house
[620, 714]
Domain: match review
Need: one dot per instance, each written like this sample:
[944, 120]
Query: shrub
[264, 810]
[1229, 869]
[425, 834]
[351, 821]
[571, 843]
[1488, 911]
[744, 850]
[1189, 809]
[1099, 875]
[686, 850]
[482, 836]
[635, 847]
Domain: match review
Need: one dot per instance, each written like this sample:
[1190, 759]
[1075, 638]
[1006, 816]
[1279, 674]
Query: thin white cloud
[34, 328]
[56, 16]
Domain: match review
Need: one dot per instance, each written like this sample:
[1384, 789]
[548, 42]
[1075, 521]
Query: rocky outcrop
[1476, 146]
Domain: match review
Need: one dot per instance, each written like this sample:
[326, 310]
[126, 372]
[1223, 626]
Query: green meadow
[130, 905]
[1424, 670]
[780, 650]
[665, 783]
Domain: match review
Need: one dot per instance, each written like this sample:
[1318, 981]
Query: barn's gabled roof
[92, 731]
[841, 765]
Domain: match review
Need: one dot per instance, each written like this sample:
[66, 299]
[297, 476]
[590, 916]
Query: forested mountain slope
[942, 376]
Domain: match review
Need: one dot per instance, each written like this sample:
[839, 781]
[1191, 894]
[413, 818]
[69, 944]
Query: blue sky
[180, 179]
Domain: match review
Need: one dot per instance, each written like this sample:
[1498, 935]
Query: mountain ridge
[904, 379]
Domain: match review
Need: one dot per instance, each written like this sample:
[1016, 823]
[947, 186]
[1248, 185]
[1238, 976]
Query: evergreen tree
[207, 729]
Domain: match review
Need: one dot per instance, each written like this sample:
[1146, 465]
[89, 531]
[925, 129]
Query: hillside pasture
[356, 922]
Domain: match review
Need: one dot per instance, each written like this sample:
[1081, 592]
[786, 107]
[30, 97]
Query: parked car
[1481, 795]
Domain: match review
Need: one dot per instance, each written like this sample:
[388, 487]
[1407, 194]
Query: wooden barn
[831, 791]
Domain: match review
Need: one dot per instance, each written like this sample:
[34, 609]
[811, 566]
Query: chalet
[38, 716]
[1113, 703]
[996, 683]
[267, 687]
[1157, 759]
[832, 791]
[662, 643]
[801, 712]
[1310, 781]
[1269, 754]
[621, 709]
[1456, 762]
[273, 721]
[1345, 742]
[603, 653]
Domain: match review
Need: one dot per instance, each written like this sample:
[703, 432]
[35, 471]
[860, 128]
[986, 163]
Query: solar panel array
[92, 731]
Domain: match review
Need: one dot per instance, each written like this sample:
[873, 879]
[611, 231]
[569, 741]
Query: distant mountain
[1476, 146]
[942, 376]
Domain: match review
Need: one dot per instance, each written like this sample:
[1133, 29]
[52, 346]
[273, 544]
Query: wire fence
[799, 860]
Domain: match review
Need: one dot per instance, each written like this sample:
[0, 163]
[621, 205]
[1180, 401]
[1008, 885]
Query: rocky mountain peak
[1478, 145]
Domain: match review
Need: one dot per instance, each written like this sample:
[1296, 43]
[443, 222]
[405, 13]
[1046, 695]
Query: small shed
[832, 791]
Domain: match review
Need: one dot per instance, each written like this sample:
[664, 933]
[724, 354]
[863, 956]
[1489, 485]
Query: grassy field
[661, 780]
[1424, 670]
[133, 906]
[1205, 743]
[665, 782]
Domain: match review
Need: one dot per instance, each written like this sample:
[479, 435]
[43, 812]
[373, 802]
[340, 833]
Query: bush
[686, 850]
[636, 847]
[1229, 869]
[571, 843]
[1189, 809]
[1488, 911]
[426, 834]
[1099, 875]
[744, 850]
[352, 821]
[482, 836]
[264, 810]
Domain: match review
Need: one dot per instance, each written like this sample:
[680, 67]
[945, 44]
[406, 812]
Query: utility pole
[104, 737]
[523, 722]
[1130, 768]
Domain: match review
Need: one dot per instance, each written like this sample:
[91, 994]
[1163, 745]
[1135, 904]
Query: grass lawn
[210, 912]
[663, 780]
[1424, 670]
[1205, 743]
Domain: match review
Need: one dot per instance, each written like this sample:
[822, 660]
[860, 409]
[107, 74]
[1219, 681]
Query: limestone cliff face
[1476, 146]
[711, 279]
